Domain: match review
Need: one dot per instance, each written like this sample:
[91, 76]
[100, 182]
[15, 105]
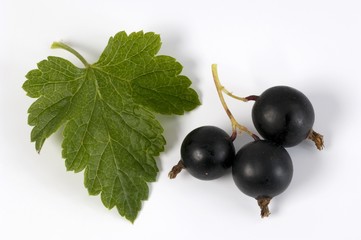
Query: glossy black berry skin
[262, 169]
[207, 152]
[283, 115]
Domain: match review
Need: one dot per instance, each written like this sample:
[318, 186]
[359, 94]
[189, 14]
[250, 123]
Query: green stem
[72, 50]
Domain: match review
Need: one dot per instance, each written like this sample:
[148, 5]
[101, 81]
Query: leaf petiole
[235, 124]
[61, 45]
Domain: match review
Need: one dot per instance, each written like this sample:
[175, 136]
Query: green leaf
[108, 111]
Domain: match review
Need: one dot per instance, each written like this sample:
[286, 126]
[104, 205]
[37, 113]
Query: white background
[312, 45]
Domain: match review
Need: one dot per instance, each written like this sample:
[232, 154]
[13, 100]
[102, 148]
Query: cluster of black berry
[261, 169]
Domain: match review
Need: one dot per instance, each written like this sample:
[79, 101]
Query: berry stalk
[235, 124]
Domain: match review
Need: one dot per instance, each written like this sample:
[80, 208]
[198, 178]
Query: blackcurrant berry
[207, 153]
[283, 115]
[262, 170]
